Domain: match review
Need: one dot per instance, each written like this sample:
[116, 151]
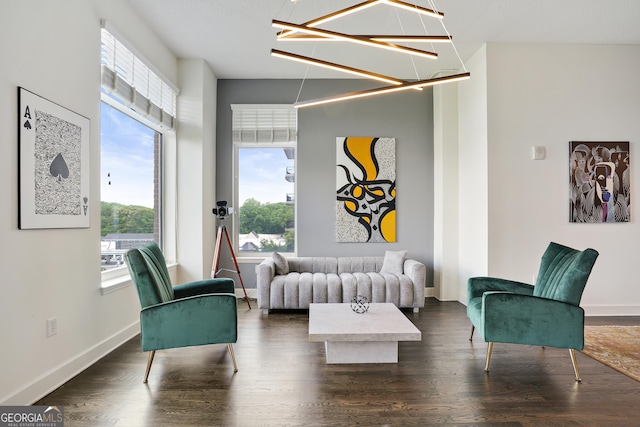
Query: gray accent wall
[405, 116]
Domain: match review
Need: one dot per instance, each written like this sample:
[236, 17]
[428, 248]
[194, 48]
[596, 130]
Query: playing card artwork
[54, 162]
[57, 171]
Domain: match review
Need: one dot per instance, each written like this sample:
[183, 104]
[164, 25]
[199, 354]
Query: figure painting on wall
[366, 189]
[600, 190]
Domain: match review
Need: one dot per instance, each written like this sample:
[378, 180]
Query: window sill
[115, 282]
[251, 259]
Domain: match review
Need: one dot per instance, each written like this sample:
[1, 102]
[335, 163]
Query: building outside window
[264, 138]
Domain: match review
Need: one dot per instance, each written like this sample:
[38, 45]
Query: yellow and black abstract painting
[365, 189]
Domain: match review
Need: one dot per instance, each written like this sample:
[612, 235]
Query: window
[264, 138]
[130, 208]
[138, 105]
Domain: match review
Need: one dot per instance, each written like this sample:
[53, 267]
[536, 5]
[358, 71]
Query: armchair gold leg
[473, 328]
[149, 362]
[572, 353]
[489, 350]
[233, 357]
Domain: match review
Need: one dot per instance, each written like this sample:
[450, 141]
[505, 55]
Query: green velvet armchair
[195, 313]
[547, 314]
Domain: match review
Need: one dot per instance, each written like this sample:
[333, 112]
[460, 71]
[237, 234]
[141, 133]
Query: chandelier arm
[414, 8]
[354, 39]
[390, 38]
[337, 67]
[333, 15]
[383, 90]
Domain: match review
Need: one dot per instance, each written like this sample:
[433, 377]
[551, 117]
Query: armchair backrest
[564, 272]
[150, 275]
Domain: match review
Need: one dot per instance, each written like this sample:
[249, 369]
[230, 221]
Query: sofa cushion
[282, 265]
[393, 262]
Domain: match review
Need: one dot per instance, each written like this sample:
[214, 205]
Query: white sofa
[295, 282]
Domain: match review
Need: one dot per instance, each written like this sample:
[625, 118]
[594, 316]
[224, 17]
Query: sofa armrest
[476, 286]
[417, 272]
[265, 272]
[196, 320]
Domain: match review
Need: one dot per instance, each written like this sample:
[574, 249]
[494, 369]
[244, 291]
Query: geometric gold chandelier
[310, 31]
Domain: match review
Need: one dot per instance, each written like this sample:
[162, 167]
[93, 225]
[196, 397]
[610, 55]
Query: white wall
[445, 191]
[52, 48]
[549, 95]
[196, 157]
[473, 192]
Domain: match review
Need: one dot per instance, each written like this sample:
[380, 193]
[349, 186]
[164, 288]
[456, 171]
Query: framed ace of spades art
[53, 164]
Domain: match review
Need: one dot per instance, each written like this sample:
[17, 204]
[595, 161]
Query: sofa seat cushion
[298, 290]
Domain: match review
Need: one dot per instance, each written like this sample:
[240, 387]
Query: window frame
[263, 126]
[119, 276]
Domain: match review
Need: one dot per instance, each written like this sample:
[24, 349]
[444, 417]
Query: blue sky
[127, 155]
[262, 175]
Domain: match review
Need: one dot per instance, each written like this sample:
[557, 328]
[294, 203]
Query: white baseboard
[594, 309]
[62, 373]
[611, 310]
[252, 293]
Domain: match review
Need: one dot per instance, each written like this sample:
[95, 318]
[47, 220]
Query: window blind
[264, 123]
[129, 79]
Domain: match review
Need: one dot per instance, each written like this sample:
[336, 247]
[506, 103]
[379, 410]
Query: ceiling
[235, 37]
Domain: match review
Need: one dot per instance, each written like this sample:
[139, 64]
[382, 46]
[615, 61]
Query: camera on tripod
[222, 210]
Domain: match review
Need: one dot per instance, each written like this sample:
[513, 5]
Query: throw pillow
[393, 262]
[282, 266]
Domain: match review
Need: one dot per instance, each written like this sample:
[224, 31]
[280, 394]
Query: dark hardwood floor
[283, 381]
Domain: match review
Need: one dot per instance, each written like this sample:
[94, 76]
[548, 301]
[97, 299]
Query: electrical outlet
[52, 326]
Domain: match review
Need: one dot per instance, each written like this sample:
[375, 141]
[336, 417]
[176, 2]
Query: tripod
[222, 229]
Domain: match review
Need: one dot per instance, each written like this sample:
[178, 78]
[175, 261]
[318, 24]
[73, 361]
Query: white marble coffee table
[371, 337]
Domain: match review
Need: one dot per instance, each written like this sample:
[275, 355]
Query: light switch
[538, 152]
